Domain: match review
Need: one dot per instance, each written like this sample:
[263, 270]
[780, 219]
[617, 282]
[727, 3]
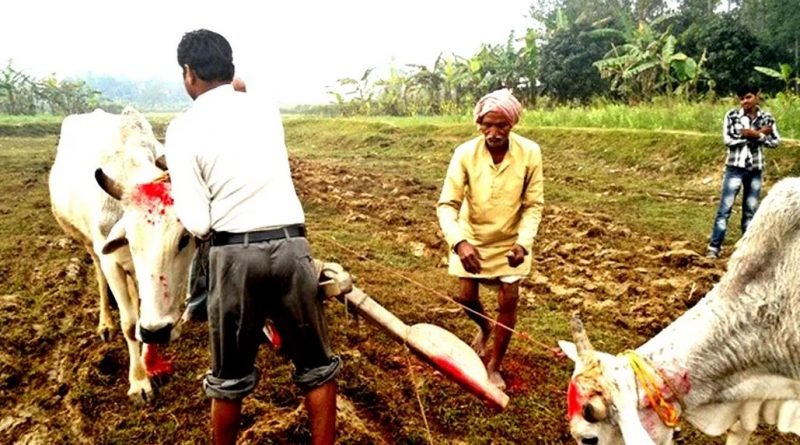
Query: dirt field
[59, 383]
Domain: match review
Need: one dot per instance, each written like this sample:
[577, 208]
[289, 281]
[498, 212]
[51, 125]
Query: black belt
[223, 238]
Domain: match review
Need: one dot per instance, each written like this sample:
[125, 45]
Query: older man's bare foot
[479, 344]
[496, 380]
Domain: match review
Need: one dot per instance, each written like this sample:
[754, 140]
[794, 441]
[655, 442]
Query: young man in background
[745, 132]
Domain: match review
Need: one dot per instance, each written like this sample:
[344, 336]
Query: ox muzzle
[160, 336]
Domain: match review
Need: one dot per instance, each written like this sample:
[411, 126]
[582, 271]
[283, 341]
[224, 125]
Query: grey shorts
[273, 279]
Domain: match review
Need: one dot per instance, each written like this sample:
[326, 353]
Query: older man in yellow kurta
[489, 211]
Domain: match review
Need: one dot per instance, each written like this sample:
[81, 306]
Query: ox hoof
[105, 332]
[142, 395]
[159, 380]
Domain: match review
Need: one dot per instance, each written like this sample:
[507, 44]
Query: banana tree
[16, 91]
[360, 94]
[392, 93]
[645, 64]
[689, 74]
[785, 75]
[528, 67]
[668, 60]
[425, 88]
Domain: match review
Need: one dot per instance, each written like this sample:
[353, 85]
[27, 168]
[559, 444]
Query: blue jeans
[736, 178]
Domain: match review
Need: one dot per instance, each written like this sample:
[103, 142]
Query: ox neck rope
[647, 380]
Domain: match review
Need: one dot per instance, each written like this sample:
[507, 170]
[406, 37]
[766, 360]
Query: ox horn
[161, 162]
[109, 185]
[579, 336]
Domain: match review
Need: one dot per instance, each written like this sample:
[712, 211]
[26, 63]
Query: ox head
[161, 250]
[603, 399]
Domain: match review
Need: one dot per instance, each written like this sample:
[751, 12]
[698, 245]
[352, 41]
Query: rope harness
[437, 293]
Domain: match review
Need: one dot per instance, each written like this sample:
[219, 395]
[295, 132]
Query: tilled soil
[59, 383]
[586, 261]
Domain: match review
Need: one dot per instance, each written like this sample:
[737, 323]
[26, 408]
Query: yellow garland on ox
[647, 380]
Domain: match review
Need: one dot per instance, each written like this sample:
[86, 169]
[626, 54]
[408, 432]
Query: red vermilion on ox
[107, 191]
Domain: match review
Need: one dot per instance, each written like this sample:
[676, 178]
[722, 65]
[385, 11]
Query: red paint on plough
[436, 346]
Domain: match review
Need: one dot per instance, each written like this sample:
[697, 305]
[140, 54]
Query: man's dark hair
[744, 90]
[208, 54]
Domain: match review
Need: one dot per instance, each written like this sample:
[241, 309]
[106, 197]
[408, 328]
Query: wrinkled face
[603, 403]
[495, 129]
[161, 250]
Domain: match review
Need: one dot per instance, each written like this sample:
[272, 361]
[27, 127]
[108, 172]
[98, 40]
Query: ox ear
[116, 238]
[570, 350]
[108, 184]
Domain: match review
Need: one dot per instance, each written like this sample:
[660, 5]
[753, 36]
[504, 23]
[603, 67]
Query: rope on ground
[419, 398]
[440, 294]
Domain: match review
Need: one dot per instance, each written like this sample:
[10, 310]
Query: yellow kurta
[492, 206]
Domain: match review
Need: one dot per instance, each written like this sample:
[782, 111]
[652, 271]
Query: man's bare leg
[507, 300]
[321, 406]
[469, 297]
[225, 416]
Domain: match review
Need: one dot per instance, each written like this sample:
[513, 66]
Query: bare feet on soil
[479, 344]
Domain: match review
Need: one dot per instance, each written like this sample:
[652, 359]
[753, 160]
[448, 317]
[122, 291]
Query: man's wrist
[455, 246]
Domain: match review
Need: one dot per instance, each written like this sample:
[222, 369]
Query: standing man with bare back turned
[489, 211]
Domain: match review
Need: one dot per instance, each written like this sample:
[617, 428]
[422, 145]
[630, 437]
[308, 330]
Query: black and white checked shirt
[748, 153]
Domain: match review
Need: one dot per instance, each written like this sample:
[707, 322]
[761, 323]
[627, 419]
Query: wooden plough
[436, 346]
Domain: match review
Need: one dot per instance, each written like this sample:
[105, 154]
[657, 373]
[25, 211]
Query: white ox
[107, 191]
[726, 364]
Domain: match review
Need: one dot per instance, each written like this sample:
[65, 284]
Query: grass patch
[652, 178]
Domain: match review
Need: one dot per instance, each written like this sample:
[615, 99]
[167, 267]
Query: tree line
[24, 94]
[21, 93]
[576, 51]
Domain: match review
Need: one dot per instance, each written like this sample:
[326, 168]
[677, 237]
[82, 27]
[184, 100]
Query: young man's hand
[469, 256]
[766, 130]
[516, 255]
[750, 133]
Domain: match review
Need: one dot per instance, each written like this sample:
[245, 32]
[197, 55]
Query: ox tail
[768, 238]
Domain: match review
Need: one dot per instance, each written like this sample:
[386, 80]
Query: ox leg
[105, 325]
[738, 435]
[140, 390]
[133, 293]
